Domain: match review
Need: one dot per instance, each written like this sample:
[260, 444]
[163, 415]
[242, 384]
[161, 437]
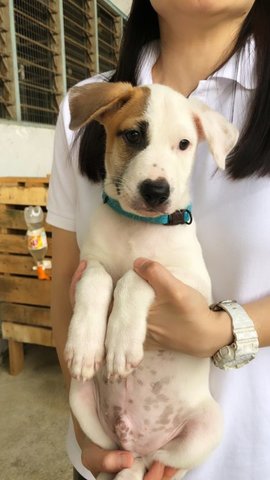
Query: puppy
[155, 404]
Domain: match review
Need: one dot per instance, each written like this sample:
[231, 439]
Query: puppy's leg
[135, 472]
[83, 405]
[199, 437]
[127, 324]
[84, 350]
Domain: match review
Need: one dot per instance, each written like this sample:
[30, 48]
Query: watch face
[227, 353]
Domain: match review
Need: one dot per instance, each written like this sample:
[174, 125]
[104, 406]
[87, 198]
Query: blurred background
[46, 46]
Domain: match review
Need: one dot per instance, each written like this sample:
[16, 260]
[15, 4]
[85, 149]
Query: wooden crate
[24, 300]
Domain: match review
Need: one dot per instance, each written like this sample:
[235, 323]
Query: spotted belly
[146, 410]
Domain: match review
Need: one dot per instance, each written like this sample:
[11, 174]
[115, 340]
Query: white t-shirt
[234, 230]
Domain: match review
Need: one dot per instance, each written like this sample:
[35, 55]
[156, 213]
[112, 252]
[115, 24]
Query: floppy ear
[220, 134]
[94, 100]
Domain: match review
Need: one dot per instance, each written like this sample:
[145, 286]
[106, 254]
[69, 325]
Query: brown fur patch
[118, 155]
[88, 102]
[118, 106]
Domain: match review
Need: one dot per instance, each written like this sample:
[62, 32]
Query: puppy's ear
[220, 134]
[94, 100]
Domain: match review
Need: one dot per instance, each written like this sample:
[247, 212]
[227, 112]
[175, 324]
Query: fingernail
[140, 262]
[125, 460]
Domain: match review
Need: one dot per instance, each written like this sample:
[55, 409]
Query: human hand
[76, 277]
[180, 318]
[159, 472]
[97, 460]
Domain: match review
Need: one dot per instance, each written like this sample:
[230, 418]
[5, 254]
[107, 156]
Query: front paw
[83, 365]
[84, 351]
[123, 354]
[83, 362]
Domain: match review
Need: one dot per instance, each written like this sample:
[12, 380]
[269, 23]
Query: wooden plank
[10, 243]
[17, 264]
[25, 180]
[16, 357]
[11, 218]
[29, 315]
[28, 334]
[28, 291]
[16, 243]
[20, 195]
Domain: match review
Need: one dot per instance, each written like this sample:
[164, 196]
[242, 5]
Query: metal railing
[46, 46]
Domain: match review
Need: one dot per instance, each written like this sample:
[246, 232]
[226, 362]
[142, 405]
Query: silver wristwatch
[245, 345]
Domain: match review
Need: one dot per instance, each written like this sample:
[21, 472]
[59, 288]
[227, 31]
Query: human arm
[181, 320]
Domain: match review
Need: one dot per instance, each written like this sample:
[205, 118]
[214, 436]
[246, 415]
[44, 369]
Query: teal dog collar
[179, 217]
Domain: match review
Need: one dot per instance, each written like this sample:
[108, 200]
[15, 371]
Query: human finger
[169, 473]
[97, 460]
[156, 275]
[155, 472]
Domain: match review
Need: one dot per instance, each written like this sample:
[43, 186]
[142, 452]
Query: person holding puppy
[217, 52]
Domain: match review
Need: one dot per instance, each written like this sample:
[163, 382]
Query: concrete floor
[33, 419]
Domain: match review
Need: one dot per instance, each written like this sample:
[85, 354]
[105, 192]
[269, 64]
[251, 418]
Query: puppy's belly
[154, 403]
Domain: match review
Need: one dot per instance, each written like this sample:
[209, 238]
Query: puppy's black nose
[154, 192]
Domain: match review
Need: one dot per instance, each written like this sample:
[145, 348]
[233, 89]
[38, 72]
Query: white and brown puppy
[161, 410]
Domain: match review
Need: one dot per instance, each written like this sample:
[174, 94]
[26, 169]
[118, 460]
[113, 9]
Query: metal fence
[78, 40]
[46, 46]
[109, 33]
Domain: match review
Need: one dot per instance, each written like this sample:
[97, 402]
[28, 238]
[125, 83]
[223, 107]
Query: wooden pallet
[24, 300]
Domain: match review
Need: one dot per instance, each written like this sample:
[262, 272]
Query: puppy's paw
[83, 363]
[122, 357]
[127, 474]
[84, 351]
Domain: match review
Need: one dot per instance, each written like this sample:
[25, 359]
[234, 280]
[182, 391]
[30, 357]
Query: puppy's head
[151, 137]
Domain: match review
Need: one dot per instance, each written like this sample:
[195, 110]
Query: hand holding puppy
[98, 460]
[180, 318]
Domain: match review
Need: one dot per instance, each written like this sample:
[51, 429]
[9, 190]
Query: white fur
[110, 250]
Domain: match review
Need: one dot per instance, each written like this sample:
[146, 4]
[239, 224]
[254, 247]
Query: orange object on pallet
[25, 301]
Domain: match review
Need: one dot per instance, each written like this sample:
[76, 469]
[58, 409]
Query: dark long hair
[251, 156]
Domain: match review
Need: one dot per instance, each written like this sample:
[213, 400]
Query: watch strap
[245, 345]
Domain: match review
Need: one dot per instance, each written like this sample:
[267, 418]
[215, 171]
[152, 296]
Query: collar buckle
[180, 217]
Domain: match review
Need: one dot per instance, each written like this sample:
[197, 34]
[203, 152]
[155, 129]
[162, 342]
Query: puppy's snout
[154, 192]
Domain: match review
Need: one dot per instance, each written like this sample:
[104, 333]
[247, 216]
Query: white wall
[124, 5]
[26, 150]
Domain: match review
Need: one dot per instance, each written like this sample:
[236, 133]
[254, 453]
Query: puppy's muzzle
[154, 192]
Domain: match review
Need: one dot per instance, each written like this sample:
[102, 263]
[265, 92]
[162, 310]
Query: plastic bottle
[36, 237]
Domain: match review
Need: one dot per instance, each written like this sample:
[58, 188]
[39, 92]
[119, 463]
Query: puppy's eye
[133, 137]
[184, 144]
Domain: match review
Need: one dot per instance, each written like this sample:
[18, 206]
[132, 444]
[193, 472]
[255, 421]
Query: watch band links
[245, 345]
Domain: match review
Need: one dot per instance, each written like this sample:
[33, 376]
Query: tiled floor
[33, 419]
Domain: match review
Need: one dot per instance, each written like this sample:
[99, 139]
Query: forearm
[180, 318]
[259, 312]
[66, 259]
[65, 254]
[61, 313]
